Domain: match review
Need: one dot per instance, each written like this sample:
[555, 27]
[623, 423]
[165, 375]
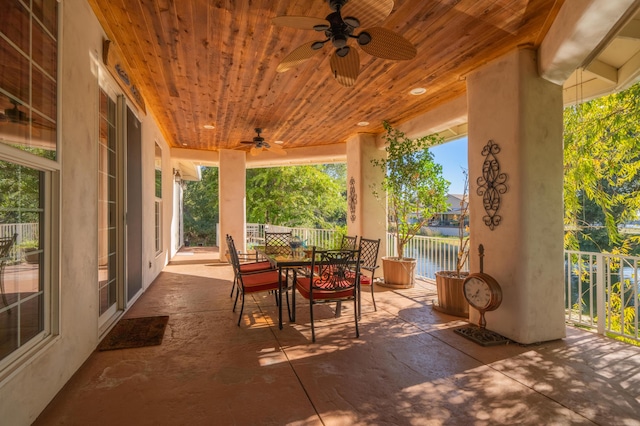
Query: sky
[453, 158]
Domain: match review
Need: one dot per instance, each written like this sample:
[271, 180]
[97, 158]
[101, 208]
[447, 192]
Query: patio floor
[407, 368]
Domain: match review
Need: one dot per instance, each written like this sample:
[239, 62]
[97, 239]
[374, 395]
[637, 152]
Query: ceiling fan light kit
[259, 144]
[338, 27]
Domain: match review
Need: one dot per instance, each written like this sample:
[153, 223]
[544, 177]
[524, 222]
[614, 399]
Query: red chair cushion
[304, 287]
[261, 281]
[255, 266]
[364, 279]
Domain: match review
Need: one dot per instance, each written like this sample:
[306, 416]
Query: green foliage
[19, 193]
[413, 183]
[302, 196]
[621, 317]
[602, 168]
[201, 213]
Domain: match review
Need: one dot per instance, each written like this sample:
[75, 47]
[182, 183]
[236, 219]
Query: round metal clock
[482, 292]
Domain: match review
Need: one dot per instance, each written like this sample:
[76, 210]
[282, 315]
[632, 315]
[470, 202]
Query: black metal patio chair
[330, 281]
[252, 282]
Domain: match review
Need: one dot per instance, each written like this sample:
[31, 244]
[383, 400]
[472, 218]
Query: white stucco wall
[30, 387]
[371, 213]
[233, 199]
[152, 263]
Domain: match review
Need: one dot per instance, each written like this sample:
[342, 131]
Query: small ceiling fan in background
[340, 26]
[259, 144]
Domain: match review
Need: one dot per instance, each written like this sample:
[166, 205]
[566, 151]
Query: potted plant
[414, 190]
[451, 298]
[30, 248]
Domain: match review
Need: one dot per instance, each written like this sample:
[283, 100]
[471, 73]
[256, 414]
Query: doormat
[482, 336]
[135, 333]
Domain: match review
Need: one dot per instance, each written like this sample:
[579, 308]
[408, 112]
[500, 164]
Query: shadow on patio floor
[408, 367]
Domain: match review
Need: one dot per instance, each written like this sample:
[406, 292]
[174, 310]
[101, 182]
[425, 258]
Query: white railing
[311, 237]
[432, 254]
[24, 232]
[601, 292]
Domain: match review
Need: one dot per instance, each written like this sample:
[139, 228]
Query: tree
[413, 184]
[19, 193]
[306, 196]
[201, 208]
[602, 167]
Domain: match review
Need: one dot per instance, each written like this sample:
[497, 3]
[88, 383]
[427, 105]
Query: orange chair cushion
[261, 281]
[304, 287]
[364, 279]
[255, 266]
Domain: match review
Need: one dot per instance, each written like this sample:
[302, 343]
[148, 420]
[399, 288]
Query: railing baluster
[600, 292]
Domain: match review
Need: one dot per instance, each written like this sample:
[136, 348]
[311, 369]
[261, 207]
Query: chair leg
[292, 313]
[359, 296]
[4, 296]
[313, 331]
[355, 309]
[236, 301]
[235, 279]
[241, 309]
[375, 308]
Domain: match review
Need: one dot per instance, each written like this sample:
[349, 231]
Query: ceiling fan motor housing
[337, 4]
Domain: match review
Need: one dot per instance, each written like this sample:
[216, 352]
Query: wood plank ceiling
[199, 62]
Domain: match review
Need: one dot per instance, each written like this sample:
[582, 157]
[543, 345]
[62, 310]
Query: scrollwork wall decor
[353, 199]
[491, 184]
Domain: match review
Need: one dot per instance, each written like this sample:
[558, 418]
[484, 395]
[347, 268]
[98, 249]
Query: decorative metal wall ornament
[491, 184]
[353, 199]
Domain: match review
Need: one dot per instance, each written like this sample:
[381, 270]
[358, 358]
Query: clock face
[477, 292]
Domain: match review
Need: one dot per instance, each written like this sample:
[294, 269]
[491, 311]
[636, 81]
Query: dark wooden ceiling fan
[339, 27]
[259, 144]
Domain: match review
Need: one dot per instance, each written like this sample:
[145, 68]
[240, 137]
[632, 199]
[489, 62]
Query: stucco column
[232, 192]
[366, 216]
[522, 113]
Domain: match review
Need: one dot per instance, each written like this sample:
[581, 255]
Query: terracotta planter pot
[398, 273]
[451, 298]
[32, 256]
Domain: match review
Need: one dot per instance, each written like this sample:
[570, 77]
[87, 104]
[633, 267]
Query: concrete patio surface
[407, 368]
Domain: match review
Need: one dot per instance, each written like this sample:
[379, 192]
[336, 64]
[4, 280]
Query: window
[28, 73]
[28, 122]
[158, 199]
[107, 205]
[22, 299]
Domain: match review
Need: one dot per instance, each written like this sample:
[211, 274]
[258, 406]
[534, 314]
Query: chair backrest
[348, 243]
[369, 253]
[333, 270]
[6, 243]
[277, 242]
[233, 253]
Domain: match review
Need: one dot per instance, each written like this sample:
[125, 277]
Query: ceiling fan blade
[388, 45]
[251, 142]
[276, 149]
[298, 56]
[369, 12]
[346, 69]
[255, 150]
[300, 22]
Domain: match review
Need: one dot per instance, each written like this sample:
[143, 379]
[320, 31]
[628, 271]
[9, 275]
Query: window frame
[51, 205]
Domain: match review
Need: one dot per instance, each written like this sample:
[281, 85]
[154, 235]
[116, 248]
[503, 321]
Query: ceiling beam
[629, 73]
[579, 33]
[631, 30]
[603, 71]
